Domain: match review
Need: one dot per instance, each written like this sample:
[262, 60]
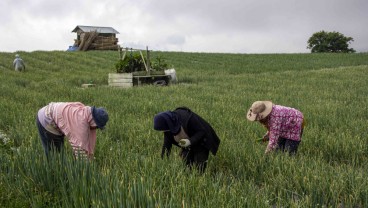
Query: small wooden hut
[95, 38]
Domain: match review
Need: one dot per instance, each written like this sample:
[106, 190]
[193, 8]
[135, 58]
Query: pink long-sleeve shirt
[71, 119]
[284, 122]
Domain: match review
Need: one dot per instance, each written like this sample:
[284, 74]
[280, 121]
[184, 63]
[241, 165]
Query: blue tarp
[72, 48]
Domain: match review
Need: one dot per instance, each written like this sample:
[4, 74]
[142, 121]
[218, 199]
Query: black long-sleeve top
[199, 131]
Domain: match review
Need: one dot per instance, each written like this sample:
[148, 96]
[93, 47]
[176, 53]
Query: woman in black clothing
[187, 130]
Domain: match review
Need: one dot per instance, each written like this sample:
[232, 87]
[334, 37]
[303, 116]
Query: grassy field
[330, 169]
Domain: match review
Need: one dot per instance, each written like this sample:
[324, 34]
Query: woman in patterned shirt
[284, 124]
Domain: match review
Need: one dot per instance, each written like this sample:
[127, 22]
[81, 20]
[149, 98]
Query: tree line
[330, 42]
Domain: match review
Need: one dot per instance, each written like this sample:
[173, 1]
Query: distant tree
[330, 42]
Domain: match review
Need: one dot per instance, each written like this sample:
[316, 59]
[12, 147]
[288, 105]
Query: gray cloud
[240, 26]
[176, 39]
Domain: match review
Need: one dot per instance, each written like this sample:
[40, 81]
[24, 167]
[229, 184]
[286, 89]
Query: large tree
[330, 42]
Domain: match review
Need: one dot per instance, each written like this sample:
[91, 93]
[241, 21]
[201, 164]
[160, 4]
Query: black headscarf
[167, 121]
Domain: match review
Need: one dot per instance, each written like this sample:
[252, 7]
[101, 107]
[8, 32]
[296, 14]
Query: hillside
[329, 170]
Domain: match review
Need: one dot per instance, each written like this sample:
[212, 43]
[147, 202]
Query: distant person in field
[72, 119]
[284, 124]
[190, 132]
[18, 64]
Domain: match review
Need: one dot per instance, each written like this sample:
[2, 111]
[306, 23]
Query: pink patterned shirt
[284, 122]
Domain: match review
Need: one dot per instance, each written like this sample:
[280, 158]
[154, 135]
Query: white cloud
[236, 26]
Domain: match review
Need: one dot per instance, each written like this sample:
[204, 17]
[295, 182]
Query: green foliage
[329, 170]
[130, 64]
[122, 66]
[135, 63]
[330, 42]
[159, 64]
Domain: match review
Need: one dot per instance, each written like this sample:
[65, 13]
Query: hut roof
[94, 28]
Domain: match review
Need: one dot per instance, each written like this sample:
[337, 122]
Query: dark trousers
[291, 146]
[287, 145]
[50, 141]
[196, 156]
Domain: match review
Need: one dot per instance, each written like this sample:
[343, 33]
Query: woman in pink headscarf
[284, 124]
[74, 120]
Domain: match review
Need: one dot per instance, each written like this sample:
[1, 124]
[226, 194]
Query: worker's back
[18, 64]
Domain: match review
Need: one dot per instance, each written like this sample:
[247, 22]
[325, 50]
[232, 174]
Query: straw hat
[259, 110]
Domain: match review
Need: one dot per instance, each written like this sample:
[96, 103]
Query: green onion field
[330, 169]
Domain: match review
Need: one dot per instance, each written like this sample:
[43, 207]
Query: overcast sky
[225, 26]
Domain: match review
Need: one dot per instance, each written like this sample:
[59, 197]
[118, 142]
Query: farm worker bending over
[187, 130]
[18, 64]
[284, 124]
[74, 120]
